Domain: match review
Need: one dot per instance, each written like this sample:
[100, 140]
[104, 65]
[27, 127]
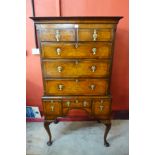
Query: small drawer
[52, 107]
[95, 34]
[76, 86]
[101, 107]
[76, 68]
[84, 50]
[76, 103]
[57, 35]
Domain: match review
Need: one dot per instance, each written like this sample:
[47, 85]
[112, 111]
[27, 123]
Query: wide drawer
[68, 50]
[76, 68]
[75, 86]
[52, 107]
[101, 107]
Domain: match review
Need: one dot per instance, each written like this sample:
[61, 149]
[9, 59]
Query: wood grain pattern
[101, 107]
[52, 107]
[72, 87]
[102, 34]
[76, 103]
[76, 68]
[68, 50]
[50, 35]
[66, 110]
[89, 104]
[69, 34]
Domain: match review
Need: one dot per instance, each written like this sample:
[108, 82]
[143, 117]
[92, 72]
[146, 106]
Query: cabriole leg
[46, 126]
[108, 126]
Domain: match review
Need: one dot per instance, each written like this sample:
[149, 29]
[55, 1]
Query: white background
[13, 77]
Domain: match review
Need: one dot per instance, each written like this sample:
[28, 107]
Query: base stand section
[106, 123]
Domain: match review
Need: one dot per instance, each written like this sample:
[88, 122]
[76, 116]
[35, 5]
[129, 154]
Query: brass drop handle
[76, 101]
[60, 87]
[93, 68]
[58, 50]
[92, 86]
[57, 35]
[101, 107]
[68, 103]
[59, 68]
[52, 108]
[94, 50]
[94, 35]
[85, 103]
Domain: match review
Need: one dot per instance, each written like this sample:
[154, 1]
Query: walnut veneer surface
[76, 59]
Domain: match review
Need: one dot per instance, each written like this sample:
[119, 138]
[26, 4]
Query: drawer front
[68, 50]
[52, 107]
[76, 68]
[95, 35]
[57, 35]
[76, 87]
[76, 103]
[101, 107]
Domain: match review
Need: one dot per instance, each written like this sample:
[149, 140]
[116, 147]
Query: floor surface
[78, 138]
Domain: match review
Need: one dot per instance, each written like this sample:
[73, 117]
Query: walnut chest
[76, 59]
